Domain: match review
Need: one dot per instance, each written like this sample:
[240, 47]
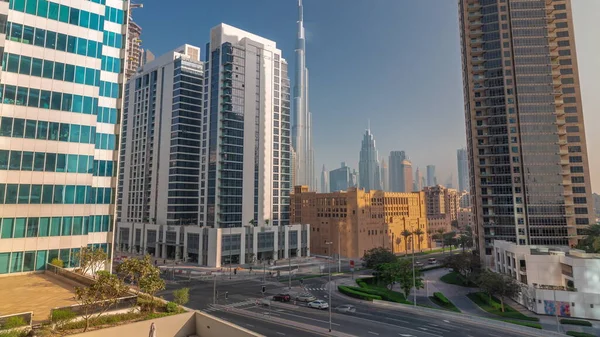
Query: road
[297, 320]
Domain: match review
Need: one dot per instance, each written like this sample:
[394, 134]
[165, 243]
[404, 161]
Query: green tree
[91, 260]
[404, 276]
[376, 256]
[430, 237]
[419, 233]
[181, 296]
[100, 296]
[440, 236]
[466, 264]
[499, 285]
[57, 262]
[590, 242]
[406, 234]
[150, 284]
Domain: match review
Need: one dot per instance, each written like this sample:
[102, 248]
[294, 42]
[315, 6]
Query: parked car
[432, 260]
[305, 298]
[318, 304]
[282, 298]
[346, 308]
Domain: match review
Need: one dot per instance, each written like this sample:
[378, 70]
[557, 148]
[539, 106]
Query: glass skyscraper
[529, 174]
[61, 86]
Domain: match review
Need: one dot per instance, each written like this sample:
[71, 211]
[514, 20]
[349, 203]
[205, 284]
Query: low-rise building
[213, 247]
[442, 206]
[465, 219]
[553, 278]
[351, 222]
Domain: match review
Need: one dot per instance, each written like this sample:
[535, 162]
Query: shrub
[62, 316]
[441, 300]
[104, 320]
[493, 307]
[13, 333]
[144, 302]
[440, 297]
[14, 322]
[579, 334]
[181, 296]
[57, 262]
[357, 294]
[575, 322]
[172, 307]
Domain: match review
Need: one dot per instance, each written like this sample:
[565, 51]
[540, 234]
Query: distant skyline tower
[431, 179]
[463, 169]
[324, 180]
[418, 183]
[368, 165]
[396, 174]
[525, 124]
[302, 122]
[385, 182]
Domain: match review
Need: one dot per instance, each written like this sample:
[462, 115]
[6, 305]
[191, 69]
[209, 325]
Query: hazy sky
[395, 62]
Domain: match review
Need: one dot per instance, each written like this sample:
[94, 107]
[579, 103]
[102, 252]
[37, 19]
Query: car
[318, 304]
[305, 298]
[346, 308]
[432, 260]
[282, 298]
[418, 264]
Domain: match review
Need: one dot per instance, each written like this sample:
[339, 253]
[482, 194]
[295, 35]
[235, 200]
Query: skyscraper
[246, 144]
[134, 44]
[324, 180]
[368, 165]
[302, 125]
[431, 179]
[341, 179]
[418, 183]
[61, 85]
[396, 174]
[525, 133]
[463, 169]
[385, 182]
[149, 191]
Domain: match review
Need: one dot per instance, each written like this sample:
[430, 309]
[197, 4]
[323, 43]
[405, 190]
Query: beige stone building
[355, 221]
[442, 205]
[465, 218]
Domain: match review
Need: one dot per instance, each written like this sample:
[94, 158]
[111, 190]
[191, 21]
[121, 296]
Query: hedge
[493, 307]
[366, 286]
[441, 300]
[579, 334]
[575, 322]
[352, 292]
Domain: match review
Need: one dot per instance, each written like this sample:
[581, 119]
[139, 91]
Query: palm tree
[440, 235]
[398, 241]
[430, 236]
[252, 223]
[266, 222]
[406, 233]
[419, 233]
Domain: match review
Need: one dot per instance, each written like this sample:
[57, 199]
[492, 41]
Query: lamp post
[331, 258]
[412, 243]
[230, 239]
[339, 251]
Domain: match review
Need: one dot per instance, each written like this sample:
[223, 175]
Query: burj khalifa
[302, 125]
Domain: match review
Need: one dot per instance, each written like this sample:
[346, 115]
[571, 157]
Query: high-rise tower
[324, 180]
[368, 165]
[463, 169]
[528, 162]
[431, 178]
[302, 124]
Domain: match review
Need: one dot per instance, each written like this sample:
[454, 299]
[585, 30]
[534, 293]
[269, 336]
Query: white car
[318, 304]
[346, 308]
[305, 298]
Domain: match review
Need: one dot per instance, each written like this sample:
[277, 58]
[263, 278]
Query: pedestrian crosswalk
[315, 289]
[213, 307]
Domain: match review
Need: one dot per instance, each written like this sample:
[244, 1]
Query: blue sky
[395, 62]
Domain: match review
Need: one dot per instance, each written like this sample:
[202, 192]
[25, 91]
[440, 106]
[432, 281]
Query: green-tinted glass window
[52, 254]
[15, 160]
[18, 128]
[44, 229]
[86, 225]
[20, 225]
[72, 163]
[59, 71]
[91, 48]
[89, 76]
[74, 133]
[16, 262]
[30, 126]
[82, 47]
[28, 34]
[36, 194]
[6, 127]
[85, 134]
[94, 21]
[50, 40]
[55, 100]
[69, 73]
[45, 99]
[69, 194]
[11, 193]
[40, 37]
[84, 19]
[64, 132]
[74, 262]
[58, 194]
[61, 42]
[67, 226]
[12, 63]
[36, 67]
[105, 223]
[82, 164]
[77, 224]
[38, 161]
[42, 8]
[64, 256]
[63, 14]
[31, 7]
[22, 94]
[32, 227]
[80, 195]
[27, 162]
[80, 75]
[50, 162]
[88, 105]
[4, 155]
[25, 65]
[67, 100]
[24, 190]
[61, 162]
[71, 44]
[53, 131]
[7, 228]
[55, 226]
[48, 69]
[2, 190]
[47, 194]
[42, 130]
[34, 98]
[41, 260]
[4, 262]
[77, 102]
[74, 16]
[10, 92]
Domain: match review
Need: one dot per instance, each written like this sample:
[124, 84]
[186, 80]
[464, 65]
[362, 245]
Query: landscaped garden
[492, 305]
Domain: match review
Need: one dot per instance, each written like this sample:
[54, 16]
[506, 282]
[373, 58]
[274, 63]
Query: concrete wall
[573, 304]
[182, 325]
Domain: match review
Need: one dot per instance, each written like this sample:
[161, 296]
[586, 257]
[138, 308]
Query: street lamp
[331, 258]
[412, 244]
[230, 239]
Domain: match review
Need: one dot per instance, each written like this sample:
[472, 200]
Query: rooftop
[34, 292]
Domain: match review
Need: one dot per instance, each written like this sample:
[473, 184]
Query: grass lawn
[575, 322]
[442, 301]
[368, 286]
[493, 307]
[456, 279]
[579, 334]
[529, 324]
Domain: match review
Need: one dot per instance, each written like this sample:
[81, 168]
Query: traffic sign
[264, 289]
[351, 263]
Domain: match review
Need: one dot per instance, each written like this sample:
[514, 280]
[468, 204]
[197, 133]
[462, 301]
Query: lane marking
[309, 318]
[397, 320]
[373, 333]
[447, 321]
[250, 325]
[404, 335]
[280, 333]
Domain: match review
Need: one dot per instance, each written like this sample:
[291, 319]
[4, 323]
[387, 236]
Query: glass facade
[61, 135]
